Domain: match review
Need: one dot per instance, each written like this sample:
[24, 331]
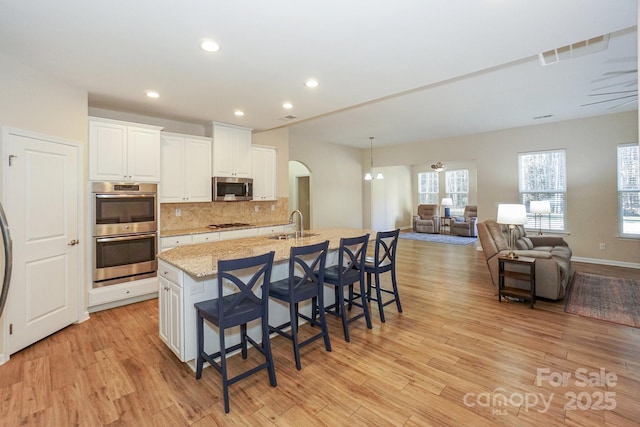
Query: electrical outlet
[257, 208]
[273, 208]
[603, 246]
[178, 212]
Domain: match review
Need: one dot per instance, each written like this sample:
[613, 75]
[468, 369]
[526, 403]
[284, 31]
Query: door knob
[73, 242]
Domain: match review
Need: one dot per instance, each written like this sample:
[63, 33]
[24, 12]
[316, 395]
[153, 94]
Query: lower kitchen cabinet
[178, 293]
[187, 239]
[123, 293]
[170, 319]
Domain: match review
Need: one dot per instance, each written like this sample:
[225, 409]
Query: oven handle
[121, 196]
[127, 237]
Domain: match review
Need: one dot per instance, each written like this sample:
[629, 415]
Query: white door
[41, 202]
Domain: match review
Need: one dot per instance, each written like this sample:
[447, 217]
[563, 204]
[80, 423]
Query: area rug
[614, 299]
[439, 238]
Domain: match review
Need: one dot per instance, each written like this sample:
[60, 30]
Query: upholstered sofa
[552, 254]
[427, 220]
[466, 224]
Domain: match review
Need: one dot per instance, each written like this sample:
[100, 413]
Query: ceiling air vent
[289, 117]
[575, 50]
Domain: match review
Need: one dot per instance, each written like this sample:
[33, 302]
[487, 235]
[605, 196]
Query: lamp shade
[540, 207]
[447, 201]
[512, 214]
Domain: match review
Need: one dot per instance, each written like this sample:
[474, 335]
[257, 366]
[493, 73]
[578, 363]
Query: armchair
[466, 224]
[552, 254]
[427, 220]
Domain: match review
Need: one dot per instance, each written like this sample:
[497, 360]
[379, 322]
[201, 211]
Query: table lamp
[446, 202]
[512, 215]
[539, 207]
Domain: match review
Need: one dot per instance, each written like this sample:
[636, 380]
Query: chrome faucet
[301, 222]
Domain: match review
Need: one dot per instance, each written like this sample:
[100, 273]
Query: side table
[526, 272]
[445, 225]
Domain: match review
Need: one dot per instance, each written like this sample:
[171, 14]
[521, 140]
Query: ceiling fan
[625, 96]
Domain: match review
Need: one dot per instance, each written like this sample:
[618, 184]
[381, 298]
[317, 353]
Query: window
[457, 187]
[542, 176]
[629, 190]
[428, 188]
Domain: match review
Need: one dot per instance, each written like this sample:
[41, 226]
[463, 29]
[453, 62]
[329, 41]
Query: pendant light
[369, 176]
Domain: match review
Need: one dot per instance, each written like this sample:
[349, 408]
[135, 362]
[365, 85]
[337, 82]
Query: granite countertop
[201, 260]
[202, 230]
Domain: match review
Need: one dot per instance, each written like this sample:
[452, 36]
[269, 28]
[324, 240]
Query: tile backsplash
[197, 215]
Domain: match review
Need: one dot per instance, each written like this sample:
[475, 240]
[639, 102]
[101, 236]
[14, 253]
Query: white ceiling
[402, 71]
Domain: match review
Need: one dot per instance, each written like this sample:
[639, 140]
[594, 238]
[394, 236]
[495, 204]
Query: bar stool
[349, 270]
[306, 273]
[384, 260]
[239, 307]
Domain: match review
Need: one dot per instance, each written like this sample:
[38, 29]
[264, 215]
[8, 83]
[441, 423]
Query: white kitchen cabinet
[170, 317]
[169, 242]
[231, 154]
[173, 241]
[205, 237]
[266, 231]
[187, 239]
[238, 234]
[113, 295]
[186, 169]
[123, 151]
[263, 166]
[178, 292]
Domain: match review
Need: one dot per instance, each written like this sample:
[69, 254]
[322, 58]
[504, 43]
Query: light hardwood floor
[446, 360]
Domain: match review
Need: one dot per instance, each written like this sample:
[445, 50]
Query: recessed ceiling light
[287, 105]
[311, 83]
[152, 94]
[209, 45]
[239, 113]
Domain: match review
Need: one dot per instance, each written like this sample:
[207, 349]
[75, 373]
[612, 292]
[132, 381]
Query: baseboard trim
[606, 262]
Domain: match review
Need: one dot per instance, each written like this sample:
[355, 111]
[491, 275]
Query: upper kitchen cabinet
[231, 150]
[186, 168]
[264, 172]
[122, 151]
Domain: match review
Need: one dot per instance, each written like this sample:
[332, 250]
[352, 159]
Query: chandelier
[438, 166]
[369, 175]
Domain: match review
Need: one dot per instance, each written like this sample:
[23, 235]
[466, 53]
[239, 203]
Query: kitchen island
[188, 274]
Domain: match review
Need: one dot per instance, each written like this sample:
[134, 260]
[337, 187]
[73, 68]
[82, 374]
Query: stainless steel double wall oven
[125, 232]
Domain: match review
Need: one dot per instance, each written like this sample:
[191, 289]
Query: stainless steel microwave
[228, 189]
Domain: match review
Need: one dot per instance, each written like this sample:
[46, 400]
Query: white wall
[390, 199]
[167, 125]
[33, 101]
[336, 182]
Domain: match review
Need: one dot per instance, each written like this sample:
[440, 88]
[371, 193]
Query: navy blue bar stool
[383, 261]
[306, 274]
[237, 308]
[348, 271]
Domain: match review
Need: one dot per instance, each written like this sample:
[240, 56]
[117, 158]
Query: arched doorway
[300, 190]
